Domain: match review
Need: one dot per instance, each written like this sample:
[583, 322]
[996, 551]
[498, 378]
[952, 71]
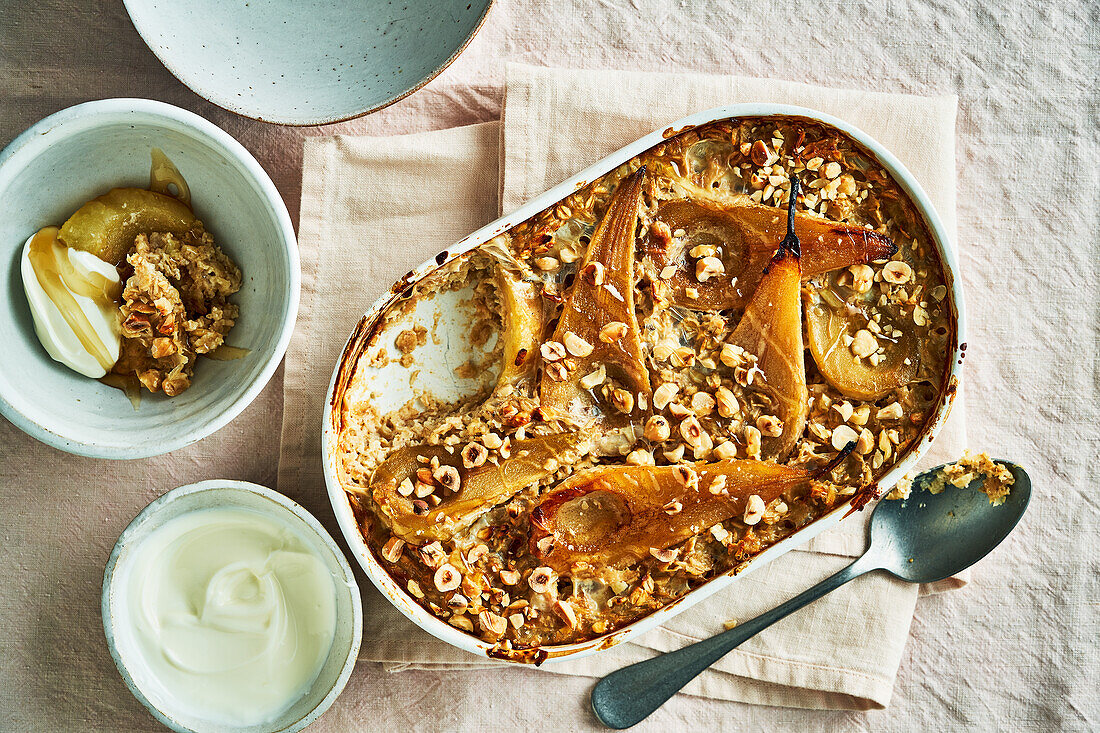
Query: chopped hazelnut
[862, 278]
[664, 394]
[576, 345]
[842, 436]
[547, 264]
[694, 435]
[406, 488]
[717, 484]
[458, 603]
[726, 402]
[623, 401]
[474, 455]
[447, 578]
[726, 451]
[731, 355]
[477, 553]
[752, 441]
[769, 425]
[448, 478]
[866, 442]
[540, 579]
[552, 351]
[754, 510]
[702, 403]
[594, 273]
[864, 343]
[892, 411]
[661, 232]
[639, 457]
[594, 378]
[897, 272]
[683, 356]
[657, 429]
[707, 268]
[414, 589]
[432, 555]
[492, 624]
[509, 577]
[832, 169]
[393, 548]
[666, 555]
[565, 612]
[674, 455]
[612, 332]
[688, 477]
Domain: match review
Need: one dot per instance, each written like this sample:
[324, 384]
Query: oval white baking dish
[366, 330]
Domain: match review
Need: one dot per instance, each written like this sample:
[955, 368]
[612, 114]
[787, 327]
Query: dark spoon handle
[628, 696]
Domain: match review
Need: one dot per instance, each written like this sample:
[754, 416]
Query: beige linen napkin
[385, 204]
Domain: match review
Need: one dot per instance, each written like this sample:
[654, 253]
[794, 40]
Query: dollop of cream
[73, 297]
[233, 613]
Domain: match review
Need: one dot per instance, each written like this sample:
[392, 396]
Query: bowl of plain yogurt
[228, 607]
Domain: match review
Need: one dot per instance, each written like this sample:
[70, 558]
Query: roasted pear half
[615, 515]
[521, 324]
[842, 347]
[463, 493]
[742, 235]
[771, 330]
[107, 225]
[597, 329]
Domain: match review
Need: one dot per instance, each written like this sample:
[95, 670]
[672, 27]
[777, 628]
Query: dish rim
[87, 115]
[227, 103]
[285, 503]
[363, 331]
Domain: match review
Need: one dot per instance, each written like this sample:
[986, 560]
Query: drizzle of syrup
[60, 280]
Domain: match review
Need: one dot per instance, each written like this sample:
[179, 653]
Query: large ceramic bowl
[306, 62]
[441, 363]
[219, 494]
[81, 152]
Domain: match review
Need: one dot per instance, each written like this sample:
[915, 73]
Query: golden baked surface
[670, 391]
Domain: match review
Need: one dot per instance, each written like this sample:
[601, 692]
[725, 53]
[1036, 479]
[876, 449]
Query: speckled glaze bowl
[306, 62]
[81, 152]
[395, 390]
[238, 495]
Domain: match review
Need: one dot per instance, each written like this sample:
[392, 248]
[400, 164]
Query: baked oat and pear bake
[671, 387]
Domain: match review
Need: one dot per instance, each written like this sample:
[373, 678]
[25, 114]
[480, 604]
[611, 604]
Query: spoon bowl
[921, 539]
[929, 537]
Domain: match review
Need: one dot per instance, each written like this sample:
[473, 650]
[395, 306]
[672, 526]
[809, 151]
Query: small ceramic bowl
[306, 63]
[240, 495]
[81, 152]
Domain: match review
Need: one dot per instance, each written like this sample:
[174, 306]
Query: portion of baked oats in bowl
[596, 411]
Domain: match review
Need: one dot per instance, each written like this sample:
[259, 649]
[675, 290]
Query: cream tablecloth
[1017, 649]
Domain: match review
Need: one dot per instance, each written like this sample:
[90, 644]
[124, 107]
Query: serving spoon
[922, 539]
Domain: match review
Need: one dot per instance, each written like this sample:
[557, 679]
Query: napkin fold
[374, 207]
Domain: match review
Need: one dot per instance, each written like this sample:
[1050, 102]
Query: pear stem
[790, 242]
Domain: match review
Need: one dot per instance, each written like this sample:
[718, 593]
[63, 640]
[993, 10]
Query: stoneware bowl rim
[284, 507]
[230, 102]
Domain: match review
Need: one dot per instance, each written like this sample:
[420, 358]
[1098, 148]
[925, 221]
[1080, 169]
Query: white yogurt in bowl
[228, 607]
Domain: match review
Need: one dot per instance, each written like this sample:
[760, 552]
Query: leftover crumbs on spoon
[997, 480]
